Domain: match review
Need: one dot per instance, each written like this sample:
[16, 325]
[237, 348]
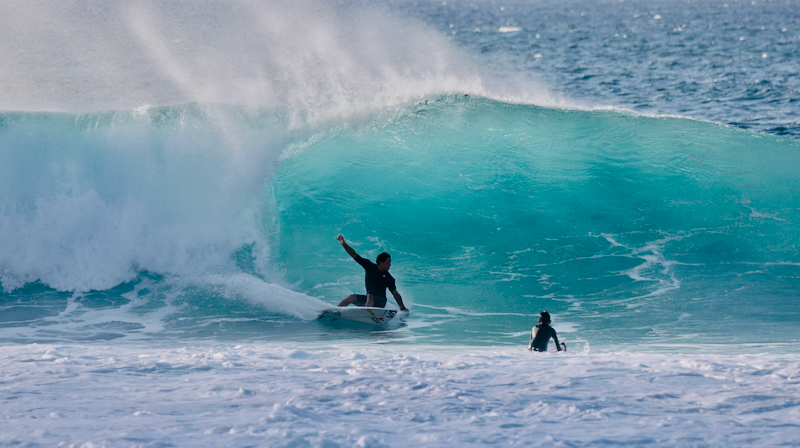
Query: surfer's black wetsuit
[540, 336]
[376, 282]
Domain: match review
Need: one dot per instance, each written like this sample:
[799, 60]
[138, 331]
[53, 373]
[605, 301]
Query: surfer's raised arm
[347, 248]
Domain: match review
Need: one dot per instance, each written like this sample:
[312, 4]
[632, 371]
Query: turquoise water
[631, 230]
[628, 166]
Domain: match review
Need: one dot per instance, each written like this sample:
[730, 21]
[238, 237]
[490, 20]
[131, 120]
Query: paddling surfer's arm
[399, 300]
[555, 339]
[347, 248]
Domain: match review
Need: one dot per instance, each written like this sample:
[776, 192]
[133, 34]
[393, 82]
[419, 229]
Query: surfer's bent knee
[348, 300]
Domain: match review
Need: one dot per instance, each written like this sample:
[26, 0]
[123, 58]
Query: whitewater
[173, 176]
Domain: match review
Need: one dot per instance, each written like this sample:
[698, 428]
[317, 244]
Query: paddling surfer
[377, 280]
[541, 334]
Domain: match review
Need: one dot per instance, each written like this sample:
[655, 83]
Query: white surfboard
[369, 315]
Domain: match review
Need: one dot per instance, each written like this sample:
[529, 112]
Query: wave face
[627, 228]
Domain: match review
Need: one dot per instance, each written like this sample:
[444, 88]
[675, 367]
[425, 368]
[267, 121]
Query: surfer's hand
[404, 309]
[340, 239]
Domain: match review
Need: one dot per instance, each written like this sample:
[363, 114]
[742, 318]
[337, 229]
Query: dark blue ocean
[173, 176]
[730, 62]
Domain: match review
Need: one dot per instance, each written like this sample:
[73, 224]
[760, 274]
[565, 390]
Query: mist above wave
[313, 57]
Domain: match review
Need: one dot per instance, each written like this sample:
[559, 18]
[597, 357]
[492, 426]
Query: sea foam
[256, 394]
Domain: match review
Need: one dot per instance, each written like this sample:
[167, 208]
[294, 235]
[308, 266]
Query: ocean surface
[173, 176]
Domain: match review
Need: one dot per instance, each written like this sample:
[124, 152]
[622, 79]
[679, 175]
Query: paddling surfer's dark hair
[544, 317]
[382, 257]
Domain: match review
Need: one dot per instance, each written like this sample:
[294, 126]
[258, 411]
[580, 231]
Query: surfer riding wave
[377, 280]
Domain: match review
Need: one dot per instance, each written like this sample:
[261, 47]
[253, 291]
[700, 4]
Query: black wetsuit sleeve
[555, 339]
[362, 261]
[391, 285]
